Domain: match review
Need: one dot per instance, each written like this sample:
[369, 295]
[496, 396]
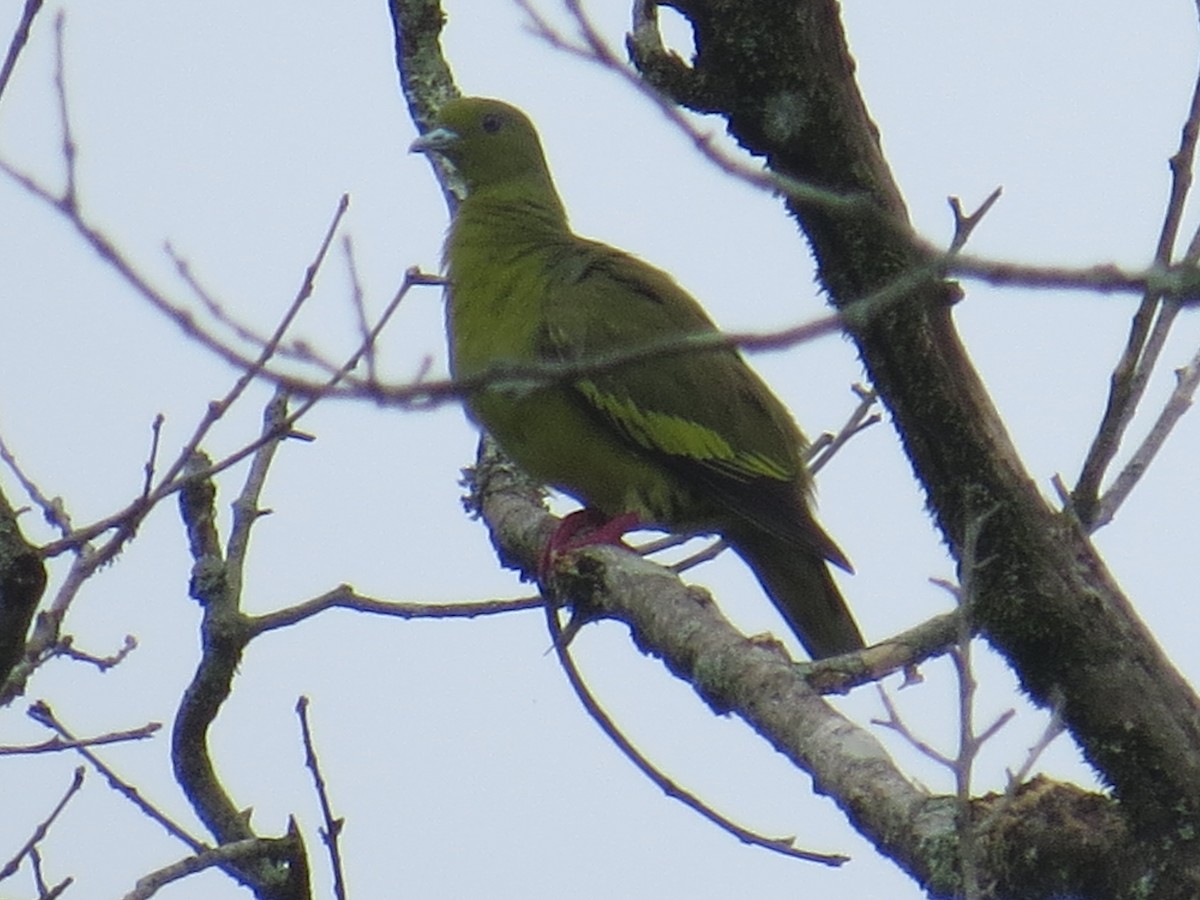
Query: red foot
[586, 528]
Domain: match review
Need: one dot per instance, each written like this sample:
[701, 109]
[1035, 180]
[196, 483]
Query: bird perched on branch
[688, 441]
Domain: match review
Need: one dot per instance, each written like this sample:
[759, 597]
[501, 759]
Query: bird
[691, 442]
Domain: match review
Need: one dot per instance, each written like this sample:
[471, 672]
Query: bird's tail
[801, 587]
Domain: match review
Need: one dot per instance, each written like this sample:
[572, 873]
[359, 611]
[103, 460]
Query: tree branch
[281, 874]
[1045, 600]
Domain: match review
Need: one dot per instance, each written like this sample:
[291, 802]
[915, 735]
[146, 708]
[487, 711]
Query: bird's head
[488, 141]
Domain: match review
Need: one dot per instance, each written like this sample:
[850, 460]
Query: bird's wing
[705, 414]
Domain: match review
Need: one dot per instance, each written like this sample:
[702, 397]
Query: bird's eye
[492, 123]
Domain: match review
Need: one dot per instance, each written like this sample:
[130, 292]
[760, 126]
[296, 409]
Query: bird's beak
[433, 140]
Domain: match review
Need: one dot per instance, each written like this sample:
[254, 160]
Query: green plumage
[692, 442]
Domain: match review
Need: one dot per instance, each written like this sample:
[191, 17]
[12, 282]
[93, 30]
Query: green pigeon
[690, 442]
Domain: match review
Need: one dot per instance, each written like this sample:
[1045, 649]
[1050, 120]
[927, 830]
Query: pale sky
[455, 751]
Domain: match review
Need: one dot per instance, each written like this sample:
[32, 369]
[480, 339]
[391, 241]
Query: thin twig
[45, 892]
[429, 394]
[590, 45]
[240, 330]
[1054, 728]
[860, 419]
[1132, 371]
[246, 509]
[333, 826]
[109, 253]
[783, 845]
[54, 511]
[895, 722]
[125, 523]
[666, 542]
[39, 833]
[171, 482]
[969, 742]
[235, 851]
[1187, 379]
[156, 435]
[19, 39]
[965, 224]
[66, 647]
[345, 597]
[703, 555]
[360, 309]
[70, 199]
[56, 744]
[41, 712]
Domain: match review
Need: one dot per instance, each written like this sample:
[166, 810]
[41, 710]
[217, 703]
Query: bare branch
[345, 597]
[1186, 381]
[589, 44]
[41, 712]
[223, 639]
[1180, 281]
[1132, 372]
[45, 892]
[39, 833]
[66, 647]
[683, 627]
[712, 551]
[965, 224]
[156, 435]
[280, 870]
[125, 521]
[904, 651]
[1054, 728]
[69, 150]
[819, 454]
[124, 524]
[53, 509]
[360, 310]
[55, 744]
[17, 44]
[246, 510]
[236, 851]
[1160, 279]
[333, 826]
[783, 845]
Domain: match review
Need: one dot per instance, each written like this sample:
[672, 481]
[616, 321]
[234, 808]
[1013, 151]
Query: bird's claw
[586, 528]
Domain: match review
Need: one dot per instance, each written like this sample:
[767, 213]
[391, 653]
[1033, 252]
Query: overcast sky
[455, 751]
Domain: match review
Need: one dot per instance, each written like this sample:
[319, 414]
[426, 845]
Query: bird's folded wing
[703, 413]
